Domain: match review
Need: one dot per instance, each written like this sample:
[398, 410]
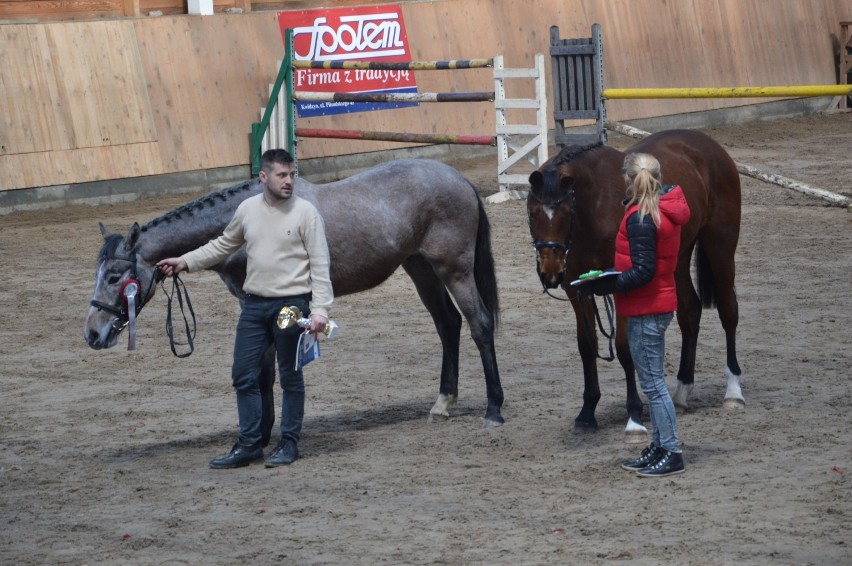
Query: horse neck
[192, 225]
[598, 208]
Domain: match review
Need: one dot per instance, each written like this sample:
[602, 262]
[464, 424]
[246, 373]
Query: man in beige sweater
[288, 265]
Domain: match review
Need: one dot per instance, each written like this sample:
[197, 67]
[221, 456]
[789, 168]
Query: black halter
[554, 244]
[123, 315]
[121, 311]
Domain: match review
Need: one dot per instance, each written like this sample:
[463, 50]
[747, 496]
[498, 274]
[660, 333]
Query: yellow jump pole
[728, 92]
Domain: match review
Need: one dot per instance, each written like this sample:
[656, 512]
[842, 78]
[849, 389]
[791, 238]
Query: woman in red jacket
[646, 251]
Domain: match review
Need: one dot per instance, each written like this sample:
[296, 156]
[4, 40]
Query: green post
[255, 148]
[291, 104]
[258, 129]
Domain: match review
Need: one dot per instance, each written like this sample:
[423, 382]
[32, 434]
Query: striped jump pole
[396, 136]
[398, 66]
[393, 96]
[727, 92]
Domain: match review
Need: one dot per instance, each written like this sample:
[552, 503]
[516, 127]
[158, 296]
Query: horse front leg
[267, 398]
[448, 323]
[481, 323]
[587, 345]
[448, 391]
[635, 432]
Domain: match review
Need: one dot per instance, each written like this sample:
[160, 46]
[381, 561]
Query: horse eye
[113, 279]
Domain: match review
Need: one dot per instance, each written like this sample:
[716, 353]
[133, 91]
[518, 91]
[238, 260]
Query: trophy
[292, 316]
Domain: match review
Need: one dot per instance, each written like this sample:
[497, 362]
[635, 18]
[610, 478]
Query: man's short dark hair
[270, 156]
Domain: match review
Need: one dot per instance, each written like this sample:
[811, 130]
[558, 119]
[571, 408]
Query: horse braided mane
[550, 191]
[569, 152]
[208, 200]
[111, 242]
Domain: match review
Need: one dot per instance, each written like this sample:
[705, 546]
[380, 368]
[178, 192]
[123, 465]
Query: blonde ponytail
[642, 172]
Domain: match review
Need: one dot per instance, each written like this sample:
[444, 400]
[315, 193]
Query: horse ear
[103, 230]
[132, 235]
[536, 178]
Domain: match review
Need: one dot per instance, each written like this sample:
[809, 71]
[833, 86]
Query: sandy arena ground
[103, 455]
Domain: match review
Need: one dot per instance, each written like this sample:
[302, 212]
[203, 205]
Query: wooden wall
[94, 100]
[64, 10]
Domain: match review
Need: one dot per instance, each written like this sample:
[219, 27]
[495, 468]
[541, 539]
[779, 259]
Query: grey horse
[420, 214]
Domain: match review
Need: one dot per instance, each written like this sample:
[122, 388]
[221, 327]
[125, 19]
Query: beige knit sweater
[286, 246]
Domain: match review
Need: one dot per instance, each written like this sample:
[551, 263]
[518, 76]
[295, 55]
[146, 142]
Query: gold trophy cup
[292, 316]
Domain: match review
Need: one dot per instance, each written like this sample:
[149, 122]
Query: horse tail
[483, 267]
[706, 281]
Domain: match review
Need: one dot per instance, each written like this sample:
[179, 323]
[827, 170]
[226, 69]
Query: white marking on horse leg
[635, 433]
[440, 409]
[680, 398]
[734, 395]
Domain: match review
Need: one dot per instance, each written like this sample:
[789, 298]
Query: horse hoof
[733, 404]
[680, 396]
[585, 428]
[442, 406]
[435, 416]
[636, 436]
[491, 423]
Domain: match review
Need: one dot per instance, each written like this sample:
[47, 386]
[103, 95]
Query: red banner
[366, 33]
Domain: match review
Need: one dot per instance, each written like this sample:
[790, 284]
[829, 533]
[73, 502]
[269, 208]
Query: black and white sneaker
[668, 464]
[649, 455]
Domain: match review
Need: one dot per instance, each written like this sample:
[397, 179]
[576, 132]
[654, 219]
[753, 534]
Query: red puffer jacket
[646, 255]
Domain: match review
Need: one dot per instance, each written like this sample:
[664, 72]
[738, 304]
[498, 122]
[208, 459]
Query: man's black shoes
[284, 454]
[238, 457]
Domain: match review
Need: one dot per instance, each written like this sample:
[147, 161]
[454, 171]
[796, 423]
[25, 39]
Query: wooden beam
[131, 8]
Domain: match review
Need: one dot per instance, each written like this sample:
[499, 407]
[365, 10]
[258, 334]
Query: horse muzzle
[101, 330]
[551, 281]
[550, 263]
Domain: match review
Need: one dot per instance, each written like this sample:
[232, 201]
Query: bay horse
[422, 215]
[575, 205]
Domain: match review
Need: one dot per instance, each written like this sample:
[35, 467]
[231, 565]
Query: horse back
[378, 218]
[704, 170]
[405, 194]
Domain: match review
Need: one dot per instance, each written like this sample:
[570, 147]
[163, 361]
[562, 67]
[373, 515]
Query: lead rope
[609, 308]
[552, 296]
[179, 287]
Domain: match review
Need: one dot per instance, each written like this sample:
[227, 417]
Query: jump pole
[397, 66]
[393, 97]
[307, 96]
[284, 94]
[396, 136]
[750, 171]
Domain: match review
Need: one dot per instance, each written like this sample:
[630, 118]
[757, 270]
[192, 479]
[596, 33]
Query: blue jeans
[257, 330]
[647, 338]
